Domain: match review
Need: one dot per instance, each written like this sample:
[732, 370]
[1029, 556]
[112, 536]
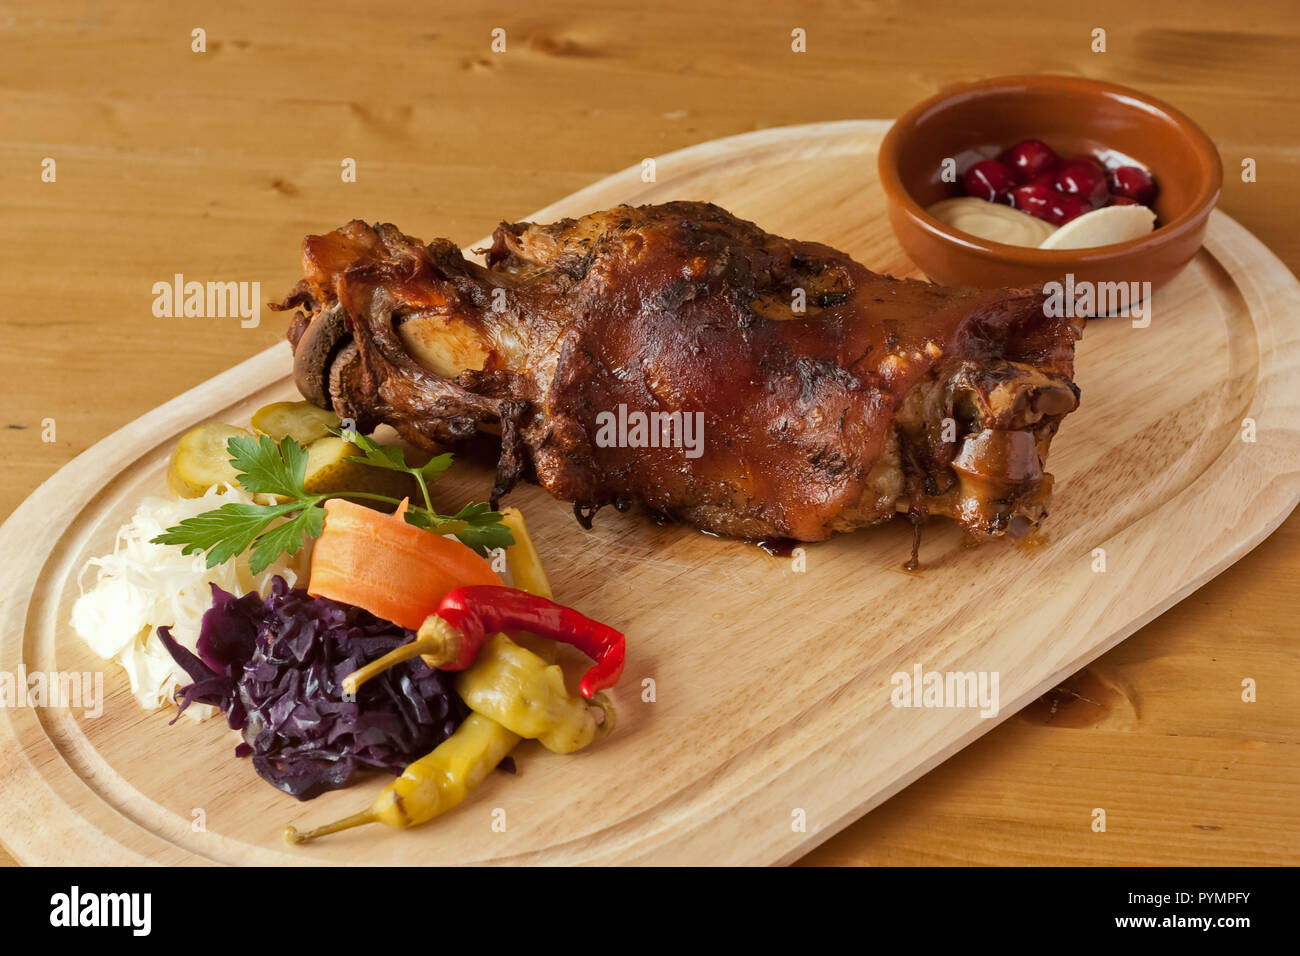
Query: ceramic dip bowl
[979, 120]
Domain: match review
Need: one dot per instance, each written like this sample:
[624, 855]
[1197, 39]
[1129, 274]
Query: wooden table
[215, 164]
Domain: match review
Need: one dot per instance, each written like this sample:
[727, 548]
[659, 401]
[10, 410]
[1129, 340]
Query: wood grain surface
[772, 723]
[216, 164]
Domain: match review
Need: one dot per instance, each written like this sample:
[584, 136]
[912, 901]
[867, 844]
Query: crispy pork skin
[829, 397]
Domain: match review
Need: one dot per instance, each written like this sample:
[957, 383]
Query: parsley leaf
[286, 538]
[475, 526]
[421, 518]
[484, 531]
[389, 457]
[226, 531]
[432, 469]
[392, 458]
[267, 467]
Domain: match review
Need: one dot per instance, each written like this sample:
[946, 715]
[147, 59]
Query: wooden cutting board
[755, 715]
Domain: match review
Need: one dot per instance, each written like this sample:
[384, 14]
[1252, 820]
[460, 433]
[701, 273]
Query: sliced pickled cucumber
[201, 460]
[301, 421]
[328, 472]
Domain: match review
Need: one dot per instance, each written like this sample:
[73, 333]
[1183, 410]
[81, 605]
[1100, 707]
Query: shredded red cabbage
[276, 668]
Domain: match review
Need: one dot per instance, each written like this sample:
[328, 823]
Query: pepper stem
[292, 835]
[606, 709]
[442, 644]
[380, 664]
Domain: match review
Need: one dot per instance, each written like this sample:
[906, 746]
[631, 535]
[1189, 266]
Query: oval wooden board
[771, 687]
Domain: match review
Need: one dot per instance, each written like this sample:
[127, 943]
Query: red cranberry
[988, 179]
[1034, 200]
[1064, 208]
[1081, 180]
[1134, 182]
[1046, 179]
[1028, 159]
[1089, 160]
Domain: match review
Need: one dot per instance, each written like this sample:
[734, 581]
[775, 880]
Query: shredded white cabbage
[142, 586]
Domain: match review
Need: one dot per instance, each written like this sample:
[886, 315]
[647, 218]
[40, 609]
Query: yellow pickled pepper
[433, 784]
[527, 696]
[441, 779]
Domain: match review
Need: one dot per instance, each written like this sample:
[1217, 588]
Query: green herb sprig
[265, 466]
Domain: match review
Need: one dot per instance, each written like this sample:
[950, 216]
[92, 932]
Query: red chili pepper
[451, 637]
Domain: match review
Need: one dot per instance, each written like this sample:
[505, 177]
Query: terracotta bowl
[977, 121]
